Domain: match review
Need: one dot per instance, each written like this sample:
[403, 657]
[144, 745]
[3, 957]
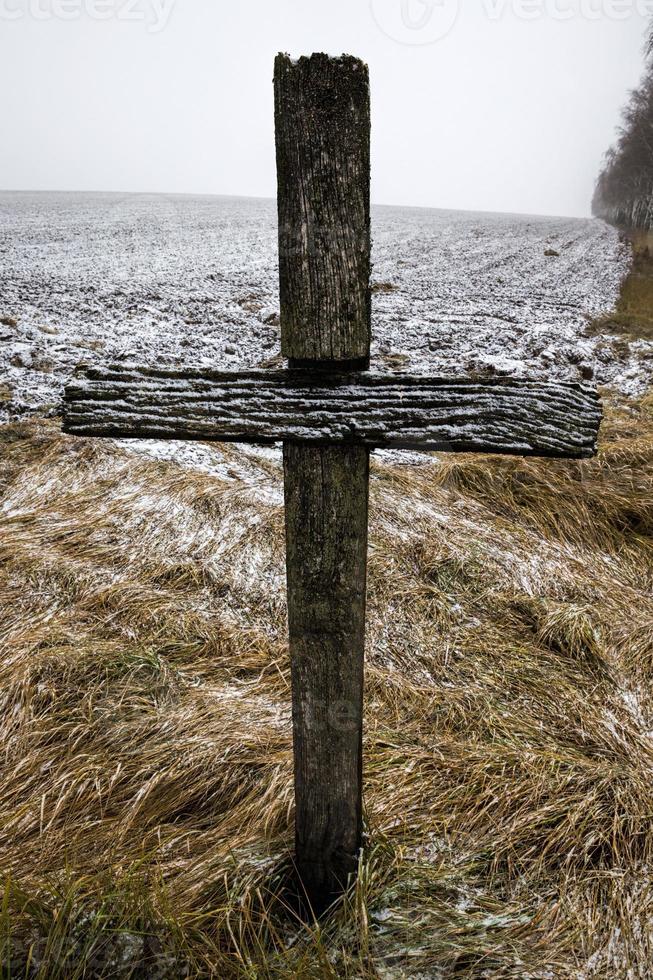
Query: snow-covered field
[193, 280]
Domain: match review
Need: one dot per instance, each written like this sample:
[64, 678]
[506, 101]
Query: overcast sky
[500, 105]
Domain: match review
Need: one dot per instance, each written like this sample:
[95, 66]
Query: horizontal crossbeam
[509, 416]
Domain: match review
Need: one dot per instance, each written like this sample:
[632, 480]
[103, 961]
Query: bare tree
[624, 190]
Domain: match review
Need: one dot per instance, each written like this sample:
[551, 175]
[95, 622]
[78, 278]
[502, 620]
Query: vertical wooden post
[326, 531]
[322, 110]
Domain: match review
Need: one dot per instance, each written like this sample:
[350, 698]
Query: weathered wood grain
[326, 494]
[322, 114]
[528, 418]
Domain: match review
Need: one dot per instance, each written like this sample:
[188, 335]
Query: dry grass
[146, 810]
[633, 317]
[146, 806]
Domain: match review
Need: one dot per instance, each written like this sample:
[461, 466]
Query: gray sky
[503, 105]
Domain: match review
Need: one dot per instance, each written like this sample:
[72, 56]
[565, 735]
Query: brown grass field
[146, 804]
[633, 317]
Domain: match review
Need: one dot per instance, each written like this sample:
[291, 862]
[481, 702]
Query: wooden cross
[329, 411]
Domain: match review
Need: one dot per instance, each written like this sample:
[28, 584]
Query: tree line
[624, 189]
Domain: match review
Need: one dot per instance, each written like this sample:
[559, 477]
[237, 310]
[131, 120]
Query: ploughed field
[146, 778]
[177, 280]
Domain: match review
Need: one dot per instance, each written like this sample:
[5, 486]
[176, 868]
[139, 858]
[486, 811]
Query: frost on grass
[146, 710]
[144, 685]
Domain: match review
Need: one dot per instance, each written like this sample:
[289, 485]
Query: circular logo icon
[415, 21]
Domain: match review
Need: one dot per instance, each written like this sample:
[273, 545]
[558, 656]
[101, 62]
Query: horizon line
[266, 197]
